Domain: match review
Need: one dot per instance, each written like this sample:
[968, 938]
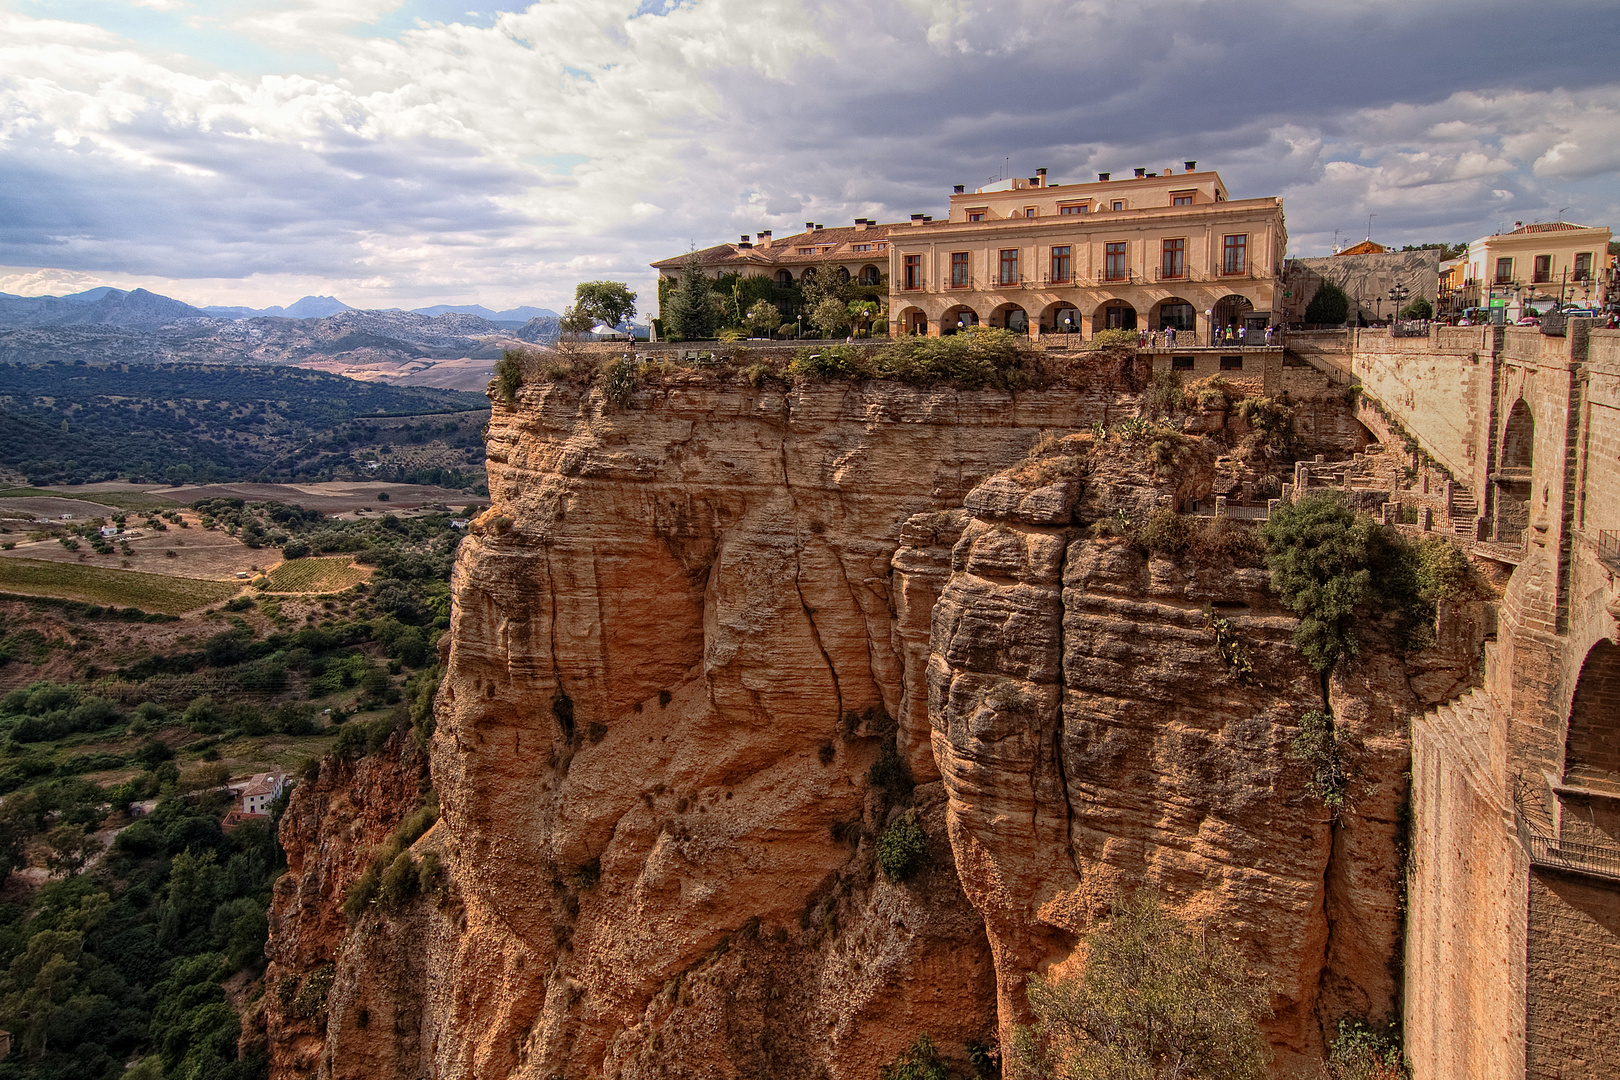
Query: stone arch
[784, 277]
[1061, 317]
[843, 275]
[1010, 316]
[1592, 745]
[806, 274]
[1173, 311]
[870, 275]
[959, 317]
[1519, 437]
[1113, 314]
[913, 320]
[1230, 310]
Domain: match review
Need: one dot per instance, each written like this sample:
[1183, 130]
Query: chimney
[928, 218]
[765, 239]
[1192, 166]
[1102, 177]
[1034, 181]
[809, 226]
[818, 228]
[959, 188]
[861, 224]
[743, 243]
[1040, 177]
[1141, 173]
[916, 219]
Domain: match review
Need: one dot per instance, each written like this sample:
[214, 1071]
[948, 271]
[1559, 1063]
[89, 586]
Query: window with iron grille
[1504, 271]
[913, 272]
[1235, 254]
[1543, 269]
[959, 270]
[1115, 267]
[1061, 263]
[1583, 266]
[1173, 262]
[1009, 266]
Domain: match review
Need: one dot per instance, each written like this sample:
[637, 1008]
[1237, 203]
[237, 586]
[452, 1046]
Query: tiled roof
[1546, 226]
[784, 251]
[1366, 247]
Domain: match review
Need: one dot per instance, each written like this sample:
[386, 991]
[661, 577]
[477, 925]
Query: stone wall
[1439, 389]
[1572, 956]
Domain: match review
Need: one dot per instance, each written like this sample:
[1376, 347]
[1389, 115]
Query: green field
[117, 588]
[123, 500]
[315, 575]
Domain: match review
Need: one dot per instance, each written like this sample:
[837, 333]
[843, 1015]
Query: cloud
[408, 151]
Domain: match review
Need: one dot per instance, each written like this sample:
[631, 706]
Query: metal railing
[1608, 548]
[1547, 850]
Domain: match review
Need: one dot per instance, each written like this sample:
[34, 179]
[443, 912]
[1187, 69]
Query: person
[1269, 329]
[1170, 335]
[1243, 334]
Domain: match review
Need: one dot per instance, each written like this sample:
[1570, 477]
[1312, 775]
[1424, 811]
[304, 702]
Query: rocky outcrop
[708, 645]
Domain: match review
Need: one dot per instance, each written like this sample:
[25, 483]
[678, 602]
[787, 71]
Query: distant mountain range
[111, 325]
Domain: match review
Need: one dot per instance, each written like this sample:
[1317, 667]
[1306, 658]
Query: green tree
[829, 315]
[762, 318]
[863, 313]
[1418, 309]
[691, 314]
[822, 284]
[609, 302]
[1329, 307]
[1156, 1001]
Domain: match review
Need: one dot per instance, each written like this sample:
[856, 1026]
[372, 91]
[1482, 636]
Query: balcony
[1548, 850]
[1608, 549]
[965, 283]
[1234, 271]
[1009, 283]
[1162, 274]
[919, 285]
[1118, 277]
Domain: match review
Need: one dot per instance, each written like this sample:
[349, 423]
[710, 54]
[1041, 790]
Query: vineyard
[118, 588]
[315, 575]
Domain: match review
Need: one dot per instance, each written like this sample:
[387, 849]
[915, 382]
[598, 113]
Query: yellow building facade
[1150, 252]
[1541, 263]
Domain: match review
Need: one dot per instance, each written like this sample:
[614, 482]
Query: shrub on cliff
[1317, 745]
[903, 847]
[919, 1061]
[1155, 1000]
[508, 376]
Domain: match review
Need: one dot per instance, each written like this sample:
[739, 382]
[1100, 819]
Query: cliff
[709, 645]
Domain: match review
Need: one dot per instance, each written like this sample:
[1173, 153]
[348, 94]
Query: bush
[1329, 307]
[903, 847]
[1317, 745]
[1362, 1051]
[1322, 555]
[619, 381]
[508, 376]
[1154, 1000]
[919, 1061]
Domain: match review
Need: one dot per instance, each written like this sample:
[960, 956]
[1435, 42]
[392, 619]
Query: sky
[411, 152]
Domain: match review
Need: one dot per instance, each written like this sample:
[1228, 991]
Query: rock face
[707, 646]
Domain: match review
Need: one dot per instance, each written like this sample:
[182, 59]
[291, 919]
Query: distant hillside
[75, 423]
[137, 310]
[310, 307]
[511, 315]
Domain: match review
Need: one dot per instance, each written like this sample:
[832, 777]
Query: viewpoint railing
[1546, 849]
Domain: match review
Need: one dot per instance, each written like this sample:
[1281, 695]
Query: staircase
[1469, 715]
[1464, 512]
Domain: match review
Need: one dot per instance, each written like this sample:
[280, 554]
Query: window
[1029, 211]
[1181, 363]
[1115, 268]
[960, 277]
[883, 247]
[1583, 266]
[1504, 271]
[870, 275]
[1173, 261]
[1235, 254]
[1178, 315]
[860, 247]
[1073, 208]
[1061, 263]
[807, 251]
[1543, 268]
[1119, 204]
[1231, 363]
[784, 277]
[1181, 198]
[913, 272]
[977, 214]
[1009, 266]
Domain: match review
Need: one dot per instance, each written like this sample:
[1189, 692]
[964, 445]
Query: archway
[960, 317]
[1229, 313]
[1061, 318]
[1513, 477]
[843, 275]
[1113, 315]
[1173, 313]
[1011, 317]
[1592, 746]
[1519, 437]
[913, 321]
[784, 277]
[870, 275]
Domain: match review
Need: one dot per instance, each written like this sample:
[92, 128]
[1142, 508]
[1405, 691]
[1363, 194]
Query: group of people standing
[1235, 334]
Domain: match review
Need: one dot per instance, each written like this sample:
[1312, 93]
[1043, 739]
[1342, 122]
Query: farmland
[118, 588]
[315, 575]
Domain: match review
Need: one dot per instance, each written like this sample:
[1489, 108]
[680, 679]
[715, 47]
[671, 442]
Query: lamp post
[800, 320]
[1396, 295]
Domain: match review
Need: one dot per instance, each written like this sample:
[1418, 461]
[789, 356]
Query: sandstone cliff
[706, 647]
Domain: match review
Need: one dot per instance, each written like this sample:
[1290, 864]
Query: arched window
[843, 275]
[784, 277]
[1518, 440]
[870, 275]
[1592, 750]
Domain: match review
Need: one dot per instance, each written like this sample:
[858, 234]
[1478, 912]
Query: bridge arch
[1592, 742]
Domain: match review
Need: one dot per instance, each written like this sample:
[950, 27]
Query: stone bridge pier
[1513, 927]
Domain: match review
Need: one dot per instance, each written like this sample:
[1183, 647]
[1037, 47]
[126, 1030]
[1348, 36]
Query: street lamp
[1396, 295]
[800, 320]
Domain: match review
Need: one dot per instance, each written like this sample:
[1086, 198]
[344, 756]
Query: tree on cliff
[1156, 1001]
[1329, 307]
[690, 314]
[609, 302]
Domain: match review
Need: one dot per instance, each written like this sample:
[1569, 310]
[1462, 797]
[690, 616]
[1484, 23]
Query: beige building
[1154, 251]
[1541, 263]
[858, 253]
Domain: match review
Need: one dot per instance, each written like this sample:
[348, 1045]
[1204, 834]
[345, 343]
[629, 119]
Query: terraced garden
[117, 588]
